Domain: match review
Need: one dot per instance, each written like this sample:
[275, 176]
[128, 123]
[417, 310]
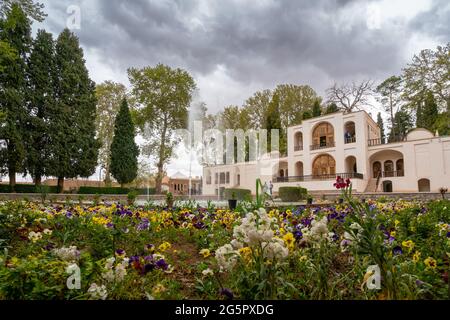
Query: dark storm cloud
[263, 42]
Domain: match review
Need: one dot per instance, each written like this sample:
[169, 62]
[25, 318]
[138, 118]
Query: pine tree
[430, 112]
[72, 120]
[332, 108]
[124, 151]
[40, 96]
[307, 115]
[381, 126]
[402, 125]
[15, 31]
[316, 110]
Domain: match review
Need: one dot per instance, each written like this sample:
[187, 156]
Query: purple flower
[120, 252]
[144, 225]
[134, 259]
[110, 225]
[298, 234]
[448, 234]
[227, 293]
[69, 214]
[397, 250]
[419, 282]
[162, 264]
[149, 247]
[148, 267]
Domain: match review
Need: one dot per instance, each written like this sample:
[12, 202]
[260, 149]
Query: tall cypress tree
[72, 119]
[316, 109]
[124, 151]
[430, 112]
[273, 121]
[40, 96]
[381, 126]
[15, 30]
[332, 107]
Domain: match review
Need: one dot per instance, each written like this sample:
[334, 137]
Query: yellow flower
[289, 240]
[409, 244]
[430, 263]
[393, 233]
[158, 289]
[205, 253]
[164, 246]
[416, 256]
[397, 223]
[246, 253]
[303, 258]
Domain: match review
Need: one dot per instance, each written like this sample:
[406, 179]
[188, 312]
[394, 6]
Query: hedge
[239, 194]
[28, 188]
[292, 194]
[113, 190]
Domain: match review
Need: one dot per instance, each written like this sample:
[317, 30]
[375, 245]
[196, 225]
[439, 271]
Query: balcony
[350, 140]
[391, 174]
[322, 146]
[298, 148]
[348, 175]
[377, 142]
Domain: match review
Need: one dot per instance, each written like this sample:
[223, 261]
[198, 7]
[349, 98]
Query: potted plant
[232, 203]
[131, 197]
[309, 199]
[169, 200]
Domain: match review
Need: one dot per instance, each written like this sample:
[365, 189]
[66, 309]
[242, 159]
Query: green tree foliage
[72, 121]
[316, 109]
[15, 33]
[256, 106]
[8, 55]
[273, 121]
[124, 151]
[381, 126]
[163, 96]
[31, 9]
[332, 108]
[403, 123]
[109, 99]
[428, 71]
[389, 94]
[427, 113]
[40, 97]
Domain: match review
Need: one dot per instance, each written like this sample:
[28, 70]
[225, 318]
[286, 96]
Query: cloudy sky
[235, 47]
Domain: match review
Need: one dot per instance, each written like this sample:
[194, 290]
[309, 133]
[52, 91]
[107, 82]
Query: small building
[178, 184]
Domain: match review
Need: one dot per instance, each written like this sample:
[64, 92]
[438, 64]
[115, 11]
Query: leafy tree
[15, 34]
[332, 108]
[40, 96]
[381, 126]
[316, 109]
[256, 107]
[307, 115]
[349, 97]
[31, 9]
[163, 96]
[427, 113]
[428, 71]
[403, 123]
[8, 55]
[124, 151]
[72, 120]
[390, 96]
[109, 99]
[273, 121]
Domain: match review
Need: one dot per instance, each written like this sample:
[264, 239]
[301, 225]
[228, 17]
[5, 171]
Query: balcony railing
[390, 174]
[298, 148]
[348, 175]
[322, 146]
[377, 142]
[350, 140]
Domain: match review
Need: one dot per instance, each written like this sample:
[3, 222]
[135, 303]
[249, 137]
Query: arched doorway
[323, 136]
[350, 165]
[387, 186]
[299, 169]
[389, 168]
[324, 165]
[424, 185]
[349, 132]
[376, 169]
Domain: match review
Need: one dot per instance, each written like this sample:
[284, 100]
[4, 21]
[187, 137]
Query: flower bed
[120, 252]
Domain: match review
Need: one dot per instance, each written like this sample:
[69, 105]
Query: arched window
[424, 185]
[376, 169]
[400, 168]
[389, 168]
[298, 141]
[324, 165]
[350, 165]
[282, 173]
[323, 136]
[299, 169]
[349, 132]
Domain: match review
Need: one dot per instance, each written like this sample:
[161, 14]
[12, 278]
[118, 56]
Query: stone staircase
[371, 185]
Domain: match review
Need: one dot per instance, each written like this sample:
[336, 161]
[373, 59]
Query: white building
[348, 145]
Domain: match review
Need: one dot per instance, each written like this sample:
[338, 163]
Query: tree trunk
[108, 178]
[38, 180]
[158, 179]
[12, 179]
[60, 184]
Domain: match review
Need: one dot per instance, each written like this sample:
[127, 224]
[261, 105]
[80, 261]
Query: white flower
[97, 292]
[48, 231]
[207, 272]
[34, 236]
[236, 244]
[69, 254]
[319, 228]
[226, 257]
[275, 249]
